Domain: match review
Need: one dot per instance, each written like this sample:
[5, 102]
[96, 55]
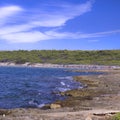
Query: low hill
[99, 57]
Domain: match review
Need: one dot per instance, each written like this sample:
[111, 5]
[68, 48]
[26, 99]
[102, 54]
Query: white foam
[33, 102]
[67, 77]
[41, 105]
[62, 83]
[63, 89]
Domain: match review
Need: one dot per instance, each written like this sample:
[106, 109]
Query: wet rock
[45, 107]
[4, 112]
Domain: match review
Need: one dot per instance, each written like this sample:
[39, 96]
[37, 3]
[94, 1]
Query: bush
[116, 117]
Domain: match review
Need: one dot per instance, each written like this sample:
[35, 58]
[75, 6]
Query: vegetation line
[100, 57]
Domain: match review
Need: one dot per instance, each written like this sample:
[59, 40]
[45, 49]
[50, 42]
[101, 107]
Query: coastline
[99, 99]
[49, 65]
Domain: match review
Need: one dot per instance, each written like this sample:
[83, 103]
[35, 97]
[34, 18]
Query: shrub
[116, 117]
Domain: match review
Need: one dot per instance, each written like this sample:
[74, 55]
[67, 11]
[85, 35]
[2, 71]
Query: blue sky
[59, 24]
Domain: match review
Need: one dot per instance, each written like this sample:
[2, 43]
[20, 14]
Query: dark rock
[4, 112]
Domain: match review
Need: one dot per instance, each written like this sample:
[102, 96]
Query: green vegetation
[101, 57]
[116, 117]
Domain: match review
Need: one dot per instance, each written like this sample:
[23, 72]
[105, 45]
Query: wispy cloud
[98, 34]
[8, 11]
[26, 37]
[25, 25]
[59, 15]
[35, 36]
[19, 25]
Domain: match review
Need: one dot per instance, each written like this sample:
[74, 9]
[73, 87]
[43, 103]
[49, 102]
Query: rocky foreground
[98, 100]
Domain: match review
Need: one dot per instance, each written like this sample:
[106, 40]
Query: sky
[59, 24]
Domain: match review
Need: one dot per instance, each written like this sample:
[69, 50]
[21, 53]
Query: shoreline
[49, 65]
[100, 99]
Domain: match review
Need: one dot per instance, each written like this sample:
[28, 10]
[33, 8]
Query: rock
[4, 112]
[45, 107]
[88, 118]
[55, 106]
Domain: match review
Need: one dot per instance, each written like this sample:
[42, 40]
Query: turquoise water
[33, 87]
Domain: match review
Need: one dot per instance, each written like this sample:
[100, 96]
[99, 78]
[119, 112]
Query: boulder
[4, 112]
[55, 106]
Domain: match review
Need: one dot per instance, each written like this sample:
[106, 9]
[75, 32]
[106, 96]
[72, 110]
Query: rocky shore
[98, 100]
[49, 65]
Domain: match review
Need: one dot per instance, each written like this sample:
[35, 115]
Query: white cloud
[15, 29]
[98, 34]
[49, 22]
[25, 37]
[68, 35]
[24, 28]
[7, 12]
[43, 17]
[59, 16]
[31, 37]
[19, 25]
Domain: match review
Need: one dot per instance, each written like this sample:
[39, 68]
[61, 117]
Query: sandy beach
[98, 100]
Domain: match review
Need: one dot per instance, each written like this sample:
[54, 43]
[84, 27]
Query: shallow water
[34, 87]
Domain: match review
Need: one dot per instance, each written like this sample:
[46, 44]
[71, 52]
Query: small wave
[63, 89]
[33, 103]
[68, 85]
[62, 83]
[67, 77]
[41, 105]
[80, 87]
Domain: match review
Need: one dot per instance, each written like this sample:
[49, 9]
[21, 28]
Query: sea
[30, 87]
